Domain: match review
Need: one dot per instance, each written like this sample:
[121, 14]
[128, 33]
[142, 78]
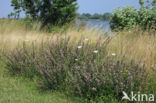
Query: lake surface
[102, 25]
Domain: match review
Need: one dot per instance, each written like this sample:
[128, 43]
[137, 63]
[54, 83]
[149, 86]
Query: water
[102, 25]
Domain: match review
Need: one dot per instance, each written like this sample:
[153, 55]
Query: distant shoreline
[92, 20]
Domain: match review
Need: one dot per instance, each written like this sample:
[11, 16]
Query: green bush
[130, 17]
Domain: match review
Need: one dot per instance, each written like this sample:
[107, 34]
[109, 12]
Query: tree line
[96, 16]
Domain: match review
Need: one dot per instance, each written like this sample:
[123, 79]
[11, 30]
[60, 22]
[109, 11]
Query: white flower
[76, 59]
[95, 51]
[79, 47]
[113, 54]
[86, 39]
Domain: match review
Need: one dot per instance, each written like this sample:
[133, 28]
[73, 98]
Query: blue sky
[85, 6]
[102, 6]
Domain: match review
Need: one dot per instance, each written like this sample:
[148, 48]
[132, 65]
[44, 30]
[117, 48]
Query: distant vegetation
[87, 16]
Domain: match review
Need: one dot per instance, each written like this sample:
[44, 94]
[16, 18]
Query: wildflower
[95, 51]
[113, 54]
[76, 59]
[86, 39]
[87, 77]
[88, 43]
[79, 47]
[94, 89]
[97, 81]
[95, 42]
[126, 71]
[22, 47]
[48, 52]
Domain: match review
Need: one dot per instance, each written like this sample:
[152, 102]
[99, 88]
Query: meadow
[72, 65]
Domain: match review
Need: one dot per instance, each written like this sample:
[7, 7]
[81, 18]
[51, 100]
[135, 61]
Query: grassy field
[22, 90]
[134, 45]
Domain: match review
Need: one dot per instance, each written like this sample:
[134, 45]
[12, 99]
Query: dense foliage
[130, 17]
[56, 12]
[83, 68]
[87, 16]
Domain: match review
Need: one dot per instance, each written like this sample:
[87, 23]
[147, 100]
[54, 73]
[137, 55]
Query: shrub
[93, 76]
[127, 17]
[22, 61]
[130, 17]
[81, 68]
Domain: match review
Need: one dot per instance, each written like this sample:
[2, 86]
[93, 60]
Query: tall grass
[79, 68]
[137, 45]
[83, 62]
[14, 31]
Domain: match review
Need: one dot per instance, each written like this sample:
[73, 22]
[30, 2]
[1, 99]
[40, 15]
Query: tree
[141, 2]
[84, 16]
[87, 15]
[154, 3]
[56, 12]
[96, 16]
[107, 16]
[151, 3]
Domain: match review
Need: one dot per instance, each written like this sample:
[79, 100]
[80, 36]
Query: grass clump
[82, 68]
[22, 61]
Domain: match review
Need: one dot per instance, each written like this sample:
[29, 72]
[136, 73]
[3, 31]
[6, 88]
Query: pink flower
[94, 89]
[48, 52]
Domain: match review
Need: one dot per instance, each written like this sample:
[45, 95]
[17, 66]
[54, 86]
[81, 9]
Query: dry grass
[13, 34]
[135, 45]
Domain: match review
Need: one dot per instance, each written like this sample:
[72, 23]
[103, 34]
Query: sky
[85, 6]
